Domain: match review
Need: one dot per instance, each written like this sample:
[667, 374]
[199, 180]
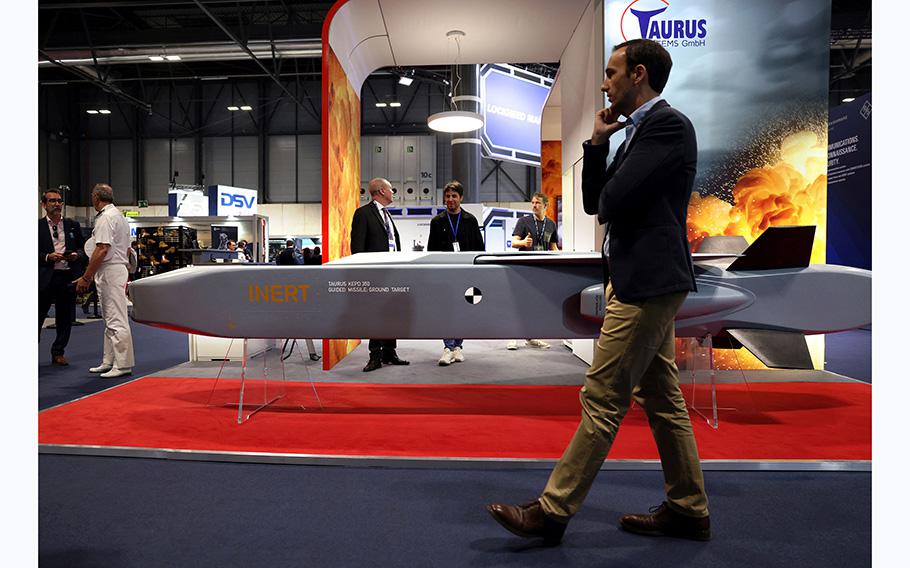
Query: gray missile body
[498, 296]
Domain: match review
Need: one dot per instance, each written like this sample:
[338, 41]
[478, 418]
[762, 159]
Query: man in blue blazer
[60, 261]
[372, 230]
[641, 198]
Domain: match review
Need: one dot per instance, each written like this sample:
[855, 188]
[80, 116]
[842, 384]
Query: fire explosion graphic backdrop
[757, 96]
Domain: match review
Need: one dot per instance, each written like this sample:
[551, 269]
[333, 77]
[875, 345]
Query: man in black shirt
[535, 232]
[454, 230]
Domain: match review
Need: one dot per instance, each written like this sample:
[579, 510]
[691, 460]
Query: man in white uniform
[108, 265]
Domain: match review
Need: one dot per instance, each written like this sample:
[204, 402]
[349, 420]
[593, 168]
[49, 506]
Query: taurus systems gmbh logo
[647, 19]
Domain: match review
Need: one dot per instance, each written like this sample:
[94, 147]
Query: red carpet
[779, 421]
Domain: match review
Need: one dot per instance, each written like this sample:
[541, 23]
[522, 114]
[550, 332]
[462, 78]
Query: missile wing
[765, 306]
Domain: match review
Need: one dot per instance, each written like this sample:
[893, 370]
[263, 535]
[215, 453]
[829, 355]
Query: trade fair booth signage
[849, 180]
[187, 203]
[225, 200]
[513, 101]
[757, 96]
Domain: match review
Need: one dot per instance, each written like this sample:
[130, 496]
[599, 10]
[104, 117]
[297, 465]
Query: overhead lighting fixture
[233, 108]
[172, 57]
[213, 78]
[455, 121]
[381, 105]
[406, 81]
[246, 107]
[92, 111]
[396, 105]
[848, 100]
[104, 111]
[156, 57]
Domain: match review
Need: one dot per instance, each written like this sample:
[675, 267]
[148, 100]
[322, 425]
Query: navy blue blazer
[644, 196]
[74, 242]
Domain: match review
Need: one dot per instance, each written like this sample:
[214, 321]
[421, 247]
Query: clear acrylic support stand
[701, 370]
[257, 388]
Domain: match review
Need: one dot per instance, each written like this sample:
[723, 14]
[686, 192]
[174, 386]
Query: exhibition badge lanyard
[539, 232]
[455, 245]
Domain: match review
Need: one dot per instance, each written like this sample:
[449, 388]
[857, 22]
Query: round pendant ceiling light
[455, 121]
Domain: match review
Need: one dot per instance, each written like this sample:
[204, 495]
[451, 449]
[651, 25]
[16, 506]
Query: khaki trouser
[634, 358]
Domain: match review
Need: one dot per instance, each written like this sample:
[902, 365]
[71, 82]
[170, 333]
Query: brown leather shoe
[528, 521]
[664, 521]
[59, 360]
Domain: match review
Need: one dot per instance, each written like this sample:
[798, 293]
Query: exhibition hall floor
[117, 511]
[499, 406]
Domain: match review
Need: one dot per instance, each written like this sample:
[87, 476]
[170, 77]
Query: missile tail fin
[776, 349]
[778, 247]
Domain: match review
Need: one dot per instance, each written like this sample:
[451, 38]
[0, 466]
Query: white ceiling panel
[497, 31]
[370, 34]
[354, 22]
[369, 55]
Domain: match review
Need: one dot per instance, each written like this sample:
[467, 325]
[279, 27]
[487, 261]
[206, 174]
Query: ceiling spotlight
[156, 57]
[172, 57]
[848, 100]
[246, 107]
[233, 108]
[104, 111]
[92, 111]
[381, 105]
[406, 81]
[396, 105]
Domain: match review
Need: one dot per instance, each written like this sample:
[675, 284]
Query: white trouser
[118, 340]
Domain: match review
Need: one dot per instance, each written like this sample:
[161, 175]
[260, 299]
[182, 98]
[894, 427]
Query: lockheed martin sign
[513, 101]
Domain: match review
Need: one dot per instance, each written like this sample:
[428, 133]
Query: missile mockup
[764, 297]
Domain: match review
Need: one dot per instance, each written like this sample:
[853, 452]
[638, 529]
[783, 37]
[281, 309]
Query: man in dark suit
[642, 199]
[372, 230]
[60, 261]
[288, 256]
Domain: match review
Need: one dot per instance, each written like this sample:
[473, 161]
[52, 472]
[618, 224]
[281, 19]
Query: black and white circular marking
[473, 295]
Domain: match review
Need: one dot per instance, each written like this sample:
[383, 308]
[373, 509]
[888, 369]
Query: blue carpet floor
[155, 349]
[140, 512]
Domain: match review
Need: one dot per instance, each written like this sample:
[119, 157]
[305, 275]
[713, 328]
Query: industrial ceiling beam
[243, 46]
[138, 103]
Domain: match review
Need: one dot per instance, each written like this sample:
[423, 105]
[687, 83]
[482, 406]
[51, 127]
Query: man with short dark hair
[372, 230]
[60, 260]
[642, 199]
[454, 230]
[288, 255]
[108, 266]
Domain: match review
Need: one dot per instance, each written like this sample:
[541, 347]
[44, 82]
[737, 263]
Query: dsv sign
[227, 200]
[237, 200]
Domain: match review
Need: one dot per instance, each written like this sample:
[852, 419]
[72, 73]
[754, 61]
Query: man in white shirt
[108, 266]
